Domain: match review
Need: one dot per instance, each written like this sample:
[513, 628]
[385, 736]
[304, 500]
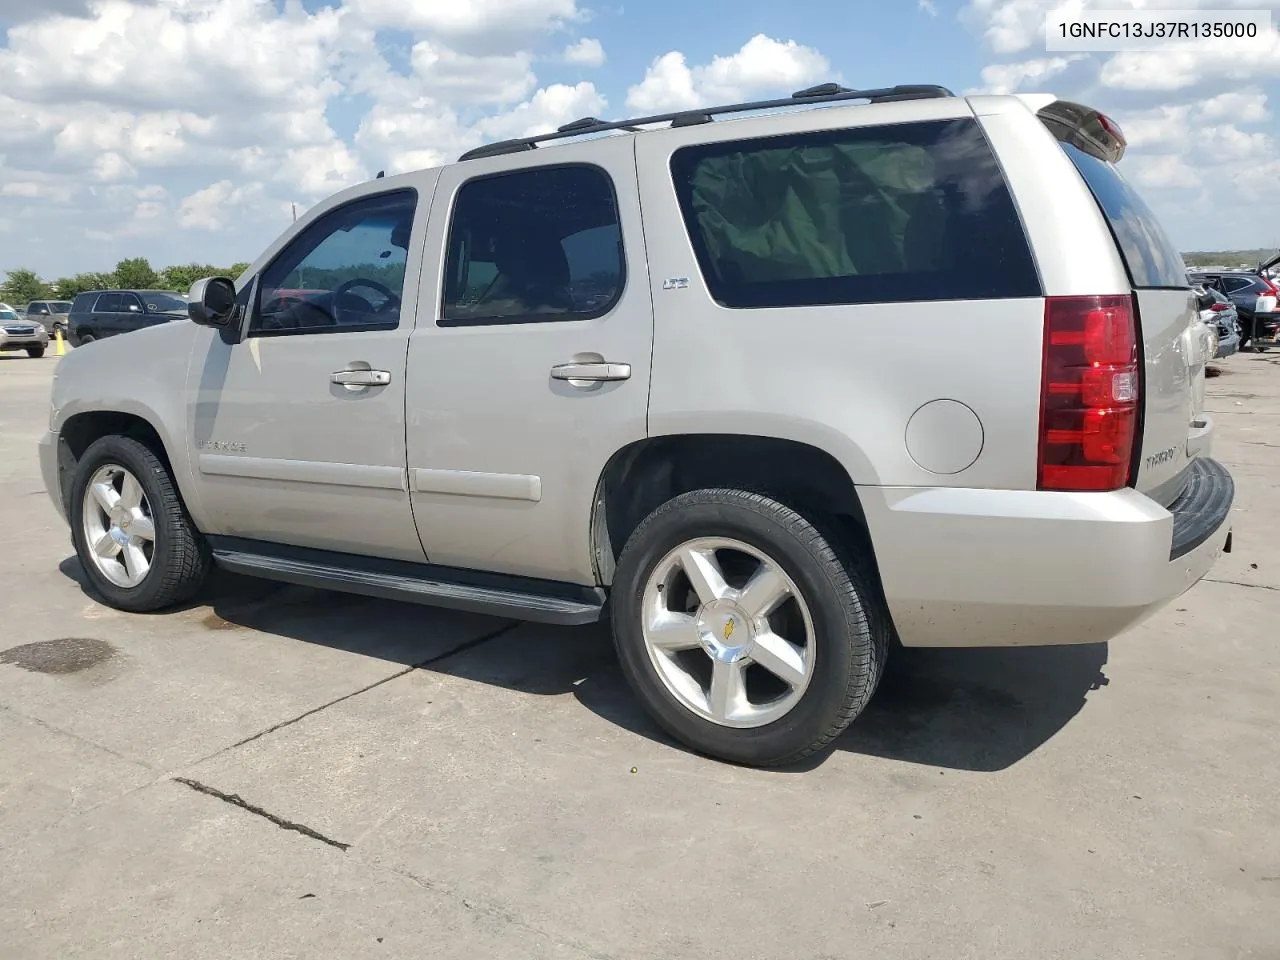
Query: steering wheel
[345, 288]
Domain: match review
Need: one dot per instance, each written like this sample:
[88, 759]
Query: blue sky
[186, 130]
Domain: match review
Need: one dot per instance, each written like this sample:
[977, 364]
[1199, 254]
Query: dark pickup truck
[99, 314]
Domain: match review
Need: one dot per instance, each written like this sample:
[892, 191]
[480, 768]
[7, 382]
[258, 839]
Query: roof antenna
[381, 174]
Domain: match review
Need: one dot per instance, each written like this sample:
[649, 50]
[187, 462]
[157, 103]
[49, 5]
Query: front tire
[35, 353]
[743, 630]
[132, 534]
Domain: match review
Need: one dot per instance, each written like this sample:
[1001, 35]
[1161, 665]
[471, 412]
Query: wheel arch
[79, 430]
[645, 474]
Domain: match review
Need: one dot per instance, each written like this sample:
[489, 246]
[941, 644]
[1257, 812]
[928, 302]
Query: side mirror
[212, 302]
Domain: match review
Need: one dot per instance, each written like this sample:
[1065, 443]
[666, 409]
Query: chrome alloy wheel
[728, 632]
[118, 528]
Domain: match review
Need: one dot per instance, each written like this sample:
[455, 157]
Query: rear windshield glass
[1151, 259]
[908, 212]
[60, 307]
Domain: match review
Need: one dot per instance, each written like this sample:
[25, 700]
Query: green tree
[135, 274]
[180, 277]
[236, 269]
[21, 286]
[66, 288]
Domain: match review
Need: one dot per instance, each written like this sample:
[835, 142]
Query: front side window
[130, 303]
[108, 303]
[907, 212]
[534, 246]
[344, 273]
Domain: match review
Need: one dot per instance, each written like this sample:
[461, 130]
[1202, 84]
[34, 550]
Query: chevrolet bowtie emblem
[728, 629]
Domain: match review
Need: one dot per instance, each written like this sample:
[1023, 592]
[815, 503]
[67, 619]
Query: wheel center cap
[725, 630]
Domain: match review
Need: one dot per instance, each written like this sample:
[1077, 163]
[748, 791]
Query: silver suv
[669, 371]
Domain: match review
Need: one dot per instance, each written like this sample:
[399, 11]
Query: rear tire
[139, 549]
[85, 338]
[35, 353]
[828, 598]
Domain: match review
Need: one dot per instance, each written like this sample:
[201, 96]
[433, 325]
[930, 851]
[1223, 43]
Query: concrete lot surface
[279, 772]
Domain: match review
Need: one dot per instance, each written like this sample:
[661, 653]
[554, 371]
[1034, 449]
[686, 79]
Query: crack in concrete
[460, 648]
[237, 801]
[1241, 583]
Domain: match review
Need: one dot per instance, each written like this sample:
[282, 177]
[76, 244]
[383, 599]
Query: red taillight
[1089, 393]
[1219, 307]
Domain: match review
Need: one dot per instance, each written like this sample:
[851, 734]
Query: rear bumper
[979, 568]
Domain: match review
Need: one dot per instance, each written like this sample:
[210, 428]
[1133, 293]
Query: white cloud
[110, 166]
[36, 190]
[1162, 171]
[1010, 77]
[1243, 106]
[585, 53]
[928, 6]
[212, 207]
[483, 20]
[447, 74]
[193, 55]
[549, 108]
[1187, 66]
[762, 65]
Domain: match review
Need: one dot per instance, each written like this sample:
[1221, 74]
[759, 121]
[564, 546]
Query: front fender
[141, 374]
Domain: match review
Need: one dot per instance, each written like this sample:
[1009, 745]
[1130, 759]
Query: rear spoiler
[1083, 127]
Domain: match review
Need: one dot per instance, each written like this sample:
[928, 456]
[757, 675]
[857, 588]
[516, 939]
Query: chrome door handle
[591, 372]
[359, 379]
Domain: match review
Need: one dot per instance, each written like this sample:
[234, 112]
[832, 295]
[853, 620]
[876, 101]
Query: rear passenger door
[529, 366]
[106, 313]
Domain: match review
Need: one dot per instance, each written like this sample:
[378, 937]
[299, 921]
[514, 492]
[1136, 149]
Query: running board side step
[511, 597]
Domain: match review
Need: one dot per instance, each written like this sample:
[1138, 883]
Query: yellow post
[60, 350]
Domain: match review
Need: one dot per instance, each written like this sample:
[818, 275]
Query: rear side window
[892, 214]
[1152, 261]
[83, 302]
[534, 246]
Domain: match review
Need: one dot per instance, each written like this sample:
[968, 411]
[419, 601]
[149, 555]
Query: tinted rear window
[890, 214]
[1151, 259]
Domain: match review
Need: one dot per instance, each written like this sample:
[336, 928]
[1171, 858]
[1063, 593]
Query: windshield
[8, 315]
[161, 302]
[60, 307]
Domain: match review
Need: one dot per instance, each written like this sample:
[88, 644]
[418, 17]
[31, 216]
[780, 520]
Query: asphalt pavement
[282, 772]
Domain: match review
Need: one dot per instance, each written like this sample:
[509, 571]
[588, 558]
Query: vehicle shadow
[981, 710]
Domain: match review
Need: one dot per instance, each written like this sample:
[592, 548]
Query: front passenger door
[132, 316]
[105, 313]
[298, 431]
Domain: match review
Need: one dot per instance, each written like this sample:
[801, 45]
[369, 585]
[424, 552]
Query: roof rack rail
[822, 93]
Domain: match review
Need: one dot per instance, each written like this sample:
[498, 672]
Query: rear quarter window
[887, 214]
[1149, 256]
